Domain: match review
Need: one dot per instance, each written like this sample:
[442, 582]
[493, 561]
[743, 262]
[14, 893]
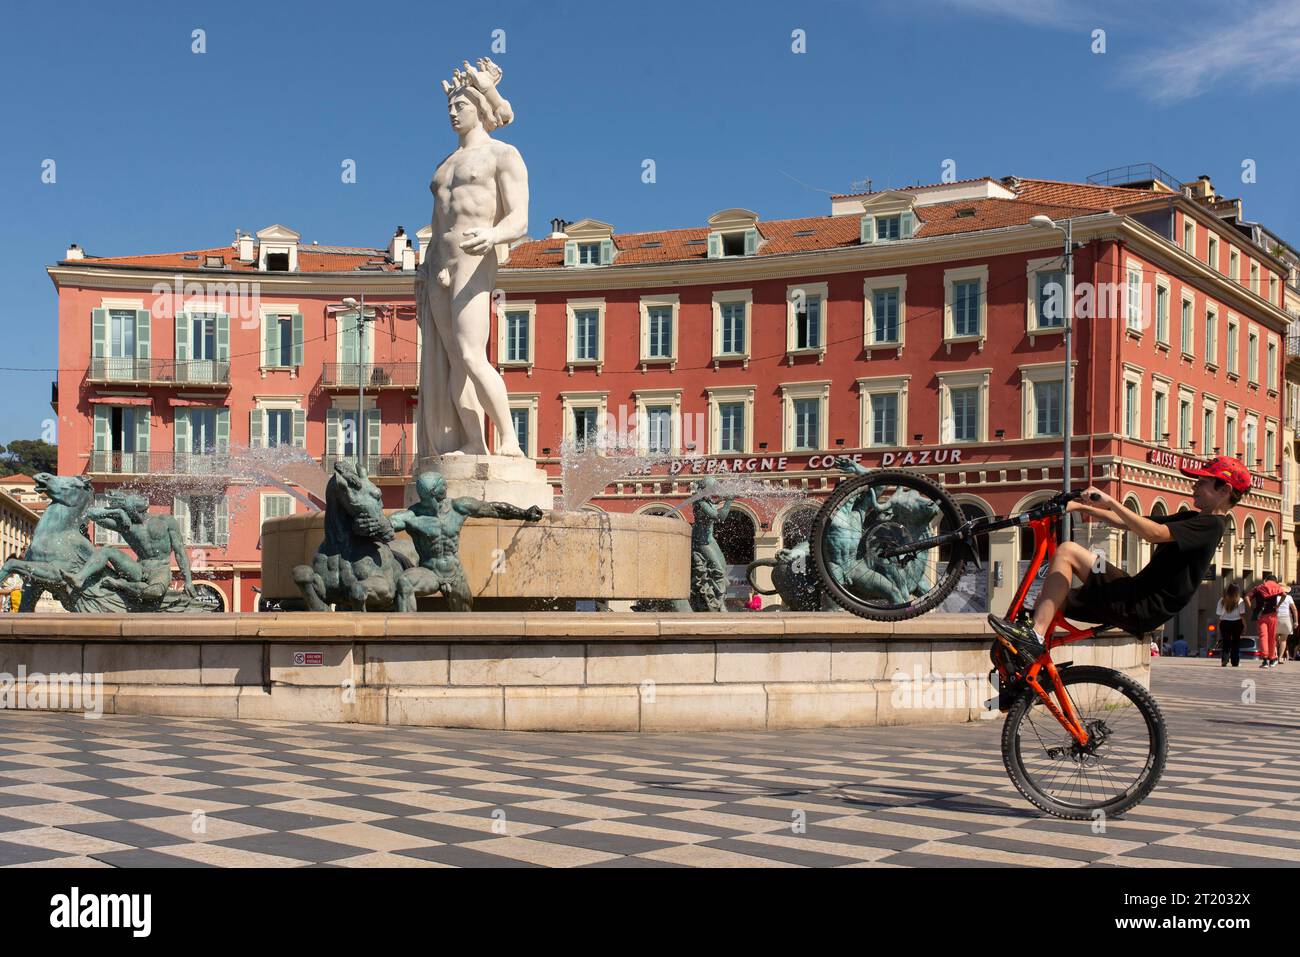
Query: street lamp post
[1067, 402]
[361, 378]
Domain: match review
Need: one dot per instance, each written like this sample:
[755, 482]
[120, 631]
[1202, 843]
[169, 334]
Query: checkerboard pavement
[125, 791]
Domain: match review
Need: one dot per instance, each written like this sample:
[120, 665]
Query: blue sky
[158, 148]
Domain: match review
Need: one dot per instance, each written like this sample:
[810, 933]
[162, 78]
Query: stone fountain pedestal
[491, 478]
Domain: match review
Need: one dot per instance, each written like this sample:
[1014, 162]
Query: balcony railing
[160, 371]
[215, 464]
[383, 375]
[384, 465]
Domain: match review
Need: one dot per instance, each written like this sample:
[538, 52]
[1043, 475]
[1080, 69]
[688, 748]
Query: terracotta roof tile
[330, 259]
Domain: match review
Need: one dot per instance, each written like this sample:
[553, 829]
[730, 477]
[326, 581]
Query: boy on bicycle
[1185, 546]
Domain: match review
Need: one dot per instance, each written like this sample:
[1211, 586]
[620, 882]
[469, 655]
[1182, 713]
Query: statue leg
[311, 586]
[405, 597]
[440, 428]
[472, 284]
[122, 564]
[456, 588]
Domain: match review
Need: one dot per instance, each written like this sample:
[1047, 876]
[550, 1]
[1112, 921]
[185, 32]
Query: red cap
[1224, 468]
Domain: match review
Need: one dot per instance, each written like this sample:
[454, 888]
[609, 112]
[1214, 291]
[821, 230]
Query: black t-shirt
[1171, 578]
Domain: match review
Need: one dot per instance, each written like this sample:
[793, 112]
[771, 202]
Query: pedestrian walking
[1286, 626]
[1264, 600]
[1230, 611]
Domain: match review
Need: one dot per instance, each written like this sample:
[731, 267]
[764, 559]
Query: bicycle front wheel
[862, 520]
[1114, 772]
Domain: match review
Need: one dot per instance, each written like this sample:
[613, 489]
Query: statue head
[473, 100]
[70, 490]
[134, 505]
[351, 498]
[431, 487]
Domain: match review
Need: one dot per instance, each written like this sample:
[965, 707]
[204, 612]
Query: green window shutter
[255, 432]
[182, 337]
[373, 422]
[223, 522]
[606, 251]
[101, 428]
[142, 418]
[751, 242]
[98, 333]
[570, 253]
[868, 229]
[271, 327]
[143, 333]
[299, 428]
[181, 512]
[223, 431]
[907, 225]
[348, 333]
[332, 432]
[715, 246]
[182, 431]
[223, 337]
[297, 338]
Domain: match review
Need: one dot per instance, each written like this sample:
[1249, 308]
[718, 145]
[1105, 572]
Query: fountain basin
[566, 556]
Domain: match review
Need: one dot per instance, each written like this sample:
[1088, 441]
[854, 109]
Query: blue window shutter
[181, 512]
[332, 432]
[98, 333]
[751, 242]
[570, 253]
[297, 338]
[349, 333]
[223, 431]
[143, 332]
[256, 438]
[272, 329]
[868, 229]
[182, 431]
[715, 246]
[907, 225]
[223, 337]
[299, 428]
[182, 338]
[606, 251]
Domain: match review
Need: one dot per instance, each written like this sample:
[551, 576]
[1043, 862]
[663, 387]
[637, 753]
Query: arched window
[796, 526]
[1249, 560]
[1131, 548]
[1269, 545]
[1227, 545]
[736, 538]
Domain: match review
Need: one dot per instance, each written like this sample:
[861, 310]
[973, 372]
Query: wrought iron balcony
[159, 371]
[374, 375]
[383, 465]
[214, 464]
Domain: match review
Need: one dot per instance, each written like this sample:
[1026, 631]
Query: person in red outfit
[1264, 600]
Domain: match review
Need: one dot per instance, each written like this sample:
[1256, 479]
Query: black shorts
[1108, 598]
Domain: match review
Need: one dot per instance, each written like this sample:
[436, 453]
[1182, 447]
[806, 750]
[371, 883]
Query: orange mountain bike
[1079, 741]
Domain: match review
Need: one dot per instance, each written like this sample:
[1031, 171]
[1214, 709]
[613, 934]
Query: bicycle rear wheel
[869, 514]
[1115, 772]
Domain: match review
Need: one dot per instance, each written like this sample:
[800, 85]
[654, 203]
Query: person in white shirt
[1286, 627]
[1230, 611]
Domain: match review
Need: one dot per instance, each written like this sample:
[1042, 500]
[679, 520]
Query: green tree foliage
[28, 456]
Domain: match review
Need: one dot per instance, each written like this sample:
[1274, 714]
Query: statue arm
[512, 180]
[846, 464]
[477, 509]
[111, 518]
[398, 520]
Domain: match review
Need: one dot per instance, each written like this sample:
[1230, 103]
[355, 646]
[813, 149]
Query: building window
[1184, 423]
[279, 427]
[1189, 234]
[807, 417]
[965, 304]
[733, 328]
[519, 418]
[1051, 299]
[884, 418]
[1131, 409]
[658, 328]
[964, 413]
[1159, 404]
[1270, 374]
[202, 519]
[1207, 431]
[805, 319]
[523, 419]
[731, 427]
[1232, 347]
[1162, 315]
[1134, 299]
[966, 308]
[1211, 335]
[584, 418]
[588, 254]
[586, 331]
[963, 405]
[1270, 440]
[1272, 289]
[804, 405]
[1234, 265]
[1188, 345]
[659, 429]
[1254, 277]
[275, 505]
[1251, 439]
[889, 227]
[731, 324]
[1047, 406]
[1212, 253]
[1230, 435]
[884, 312]
[808, 323]
[517, 336]
[884, 303]
[585, 426]
[283, 338]
[1252, 358]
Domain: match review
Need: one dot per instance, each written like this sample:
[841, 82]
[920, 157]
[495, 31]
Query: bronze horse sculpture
[354, 568]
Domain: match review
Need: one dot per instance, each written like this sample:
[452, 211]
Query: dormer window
[277, 262]
[277, 248]
[733, 233]
[589, 242]
[887, 217]
[589, 254]
[889, 227]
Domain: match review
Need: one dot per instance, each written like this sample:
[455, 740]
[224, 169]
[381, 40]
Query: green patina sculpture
[708, 565]
[62, 560]
[354, 567]
[434, 524]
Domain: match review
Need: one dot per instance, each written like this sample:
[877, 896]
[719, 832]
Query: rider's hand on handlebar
[1092, 499]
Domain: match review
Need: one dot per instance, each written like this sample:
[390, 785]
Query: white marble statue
[480, 201]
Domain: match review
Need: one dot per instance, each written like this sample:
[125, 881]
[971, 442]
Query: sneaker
[1264, 663]
[1018, 638]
